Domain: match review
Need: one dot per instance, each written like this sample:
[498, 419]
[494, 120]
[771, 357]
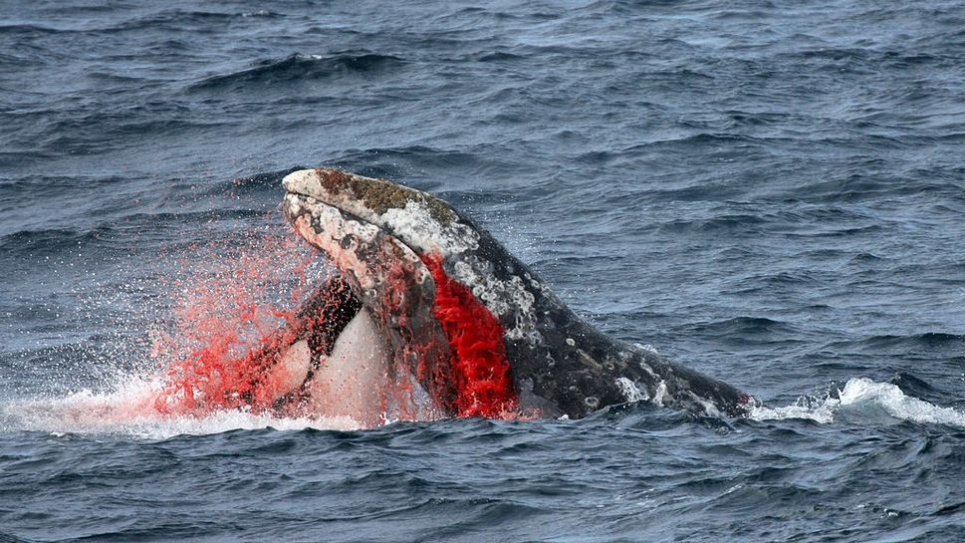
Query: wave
[50, 240]
[927, 341]
[863, 400]
[173, 19]
[408, 164]
[130, 410]
[26, 28]
[750, 330]
[858, 188]
[299, 67]
[10, 538]
[256, 181]
[127, 230]
[729, 224]
[83, 23]
[499, 56]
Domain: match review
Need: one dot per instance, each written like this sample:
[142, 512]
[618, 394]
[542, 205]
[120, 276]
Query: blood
[232, 324]
[228, 331]
[480, 369]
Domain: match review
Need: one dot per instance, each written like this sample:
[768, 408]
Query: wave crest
[863, 399]
[299, 67]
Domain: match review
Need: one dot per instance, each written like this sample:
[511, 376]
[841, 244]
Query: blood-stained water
[232, 323]
[232, 327]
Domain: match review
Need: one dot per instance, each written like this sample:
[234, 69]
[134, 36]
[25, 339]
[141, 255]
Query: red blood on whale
[230, 336]
[481, 372]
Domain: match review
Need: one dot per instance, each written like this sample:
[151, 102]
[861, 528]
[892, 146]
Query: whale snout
[373, 200]
[321, 183]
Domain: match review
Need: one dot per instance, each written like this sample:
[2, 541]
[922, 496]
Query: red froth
[228, 332]
[481, 372]
[231, 324]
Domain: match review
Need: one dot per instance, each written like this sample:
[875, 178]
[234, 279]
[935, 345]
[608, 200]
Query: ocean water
[771, 192]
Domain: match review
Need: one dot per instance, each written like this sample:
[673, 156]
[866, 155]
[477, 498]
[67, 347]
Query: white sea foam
[130, 411]
[862, 393]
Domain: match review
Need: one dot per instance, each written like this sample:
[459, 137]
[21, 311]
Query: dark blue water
[770, 192]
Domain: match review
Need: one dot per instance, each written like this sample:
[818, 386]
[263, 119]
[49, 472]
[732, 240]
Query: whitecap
[859, 397]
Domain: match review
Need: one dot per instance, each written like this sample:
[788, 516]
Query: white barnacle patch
[504, 298]
[525, 327]
[660, 394]
[418, 228]
[338, 228]
[536, 285]
[709, 408]
[293, 204]
[631, 391]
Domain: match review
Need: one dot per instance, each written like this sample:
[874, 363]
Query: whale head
[476, 328]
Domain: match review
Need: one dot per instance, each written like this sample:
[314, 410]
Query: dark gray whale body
[405, 253]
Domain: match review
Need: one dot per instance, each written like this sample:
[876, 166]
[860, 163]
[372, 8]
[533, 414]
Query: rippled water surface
[770, 192]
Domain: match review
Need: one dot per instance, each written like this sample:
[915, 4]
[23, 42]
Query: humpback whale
[429, 303]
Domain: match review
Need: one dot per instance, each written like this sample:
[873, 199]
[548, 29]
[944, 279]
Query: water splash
[863, 398]
[233, 310]
[234, 313]
[128, 410]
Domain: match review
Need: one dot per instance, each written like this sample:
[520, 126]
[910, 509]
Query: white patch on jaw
[356, 381]
[660, 394]
[709, 408]
[335, 229]
[415, 225]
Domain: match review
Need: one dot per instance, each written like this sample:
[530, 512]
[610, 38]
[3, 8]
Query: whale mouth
[436, 333]
[394, 290]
